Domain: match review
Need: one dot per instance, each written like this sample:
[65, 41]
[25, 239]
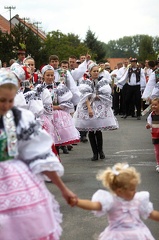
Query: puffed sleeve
[34, 145]
[34, 103]
[73, 88]
[64, 97]
[145, 207]
[106, 200]
[19, 100]
[86, 90]
[155, 91]
[149, 86]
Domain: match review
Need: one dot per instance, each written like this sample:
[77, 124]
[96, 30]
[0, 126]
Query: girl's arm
[66, 192]
[86, 204]
[56, 107]
[154, 215]
[89, 108]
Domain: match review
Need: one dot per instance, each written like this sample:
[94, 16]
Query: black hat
[20, 51]
[133, 60]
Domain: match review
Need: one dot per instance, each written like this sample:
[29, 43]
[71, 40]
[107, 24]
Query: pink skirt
[61, 127]
[28, 211]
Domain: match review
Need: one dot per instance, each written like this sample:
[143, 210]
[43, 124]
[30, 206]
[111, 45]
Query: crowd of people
[54, 108]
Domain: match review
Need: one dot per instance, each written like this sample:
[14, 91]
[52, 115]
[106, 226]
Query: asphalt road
[131, 143]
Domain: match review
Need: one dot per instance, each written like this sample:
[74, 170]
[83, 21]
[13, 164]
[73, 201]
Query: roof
[16, 19]
[113, 62]
[4, 25]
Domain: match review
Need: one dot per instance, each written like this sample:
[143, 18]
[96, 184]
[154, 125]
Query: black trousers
[96, 141]
[133, 94]
[83, 134]
[117, 101]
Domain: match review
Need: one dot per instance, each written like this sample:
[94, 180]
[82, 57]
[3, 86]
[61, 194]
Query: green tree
[121, 48]
[6, 47]
[146, 50]
[64, 45]
[97, 48]
[156, 46]
[140, 46]
[25, 37]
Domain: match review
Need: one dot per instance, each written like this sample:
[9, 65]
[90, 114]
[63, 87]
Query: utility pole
[10, 8]
[37, 25]
[24, 21]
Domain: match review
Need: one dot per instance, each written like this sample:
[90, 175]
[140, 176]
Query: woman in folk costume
[55, 118]
[64, 129]
[23, 76]
[64, 76]
[28, 210]
[94, 112]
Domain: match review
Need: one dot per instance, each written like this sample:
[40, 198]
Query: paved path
[130, 143]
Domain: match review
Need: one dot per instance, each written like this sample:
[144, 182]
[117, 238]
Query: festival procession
[64, 107]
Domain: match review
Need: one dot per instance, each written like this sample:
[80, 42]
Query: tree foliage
[140, 46]
[64, 45]
[96, 47]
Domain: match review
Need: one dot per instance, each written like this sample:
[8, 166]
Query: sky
[107, 19]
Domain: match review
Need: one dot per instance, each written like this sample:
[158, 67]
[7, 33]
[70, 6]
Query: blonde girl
[123, 206]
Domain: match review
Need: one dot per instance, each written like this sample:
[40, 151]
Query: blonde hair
[9, 86]
[155, 99]
[119, 176]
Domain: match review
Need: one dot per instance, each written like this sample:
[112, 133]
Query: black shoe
[138, 118]
[95, 157]
[84, 139]
[64, 149]
[69, 147]
[115, 113]
[125, 116]
[102, 155]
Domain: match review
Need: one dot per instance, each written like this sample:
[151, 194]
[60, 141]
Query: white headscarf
[18, 71]
[45, 68]
[93, 64]
[6, 76]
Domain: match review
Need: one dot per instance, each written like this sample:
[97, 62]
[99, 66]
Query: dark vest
[136, 71]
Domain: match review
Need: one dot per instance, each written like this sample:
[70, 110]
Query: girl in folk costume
[23, 75]
[64, 129]
[35, 75]
[153, 124]
[64, 76]
[28, 210]
[123, 205]
[94, 112]
[56, 102]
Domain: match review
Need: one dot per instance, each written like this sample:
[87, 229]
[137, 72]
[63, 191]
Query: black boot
[99, 138]
[64, 149]
[57, 149]
[93, 143]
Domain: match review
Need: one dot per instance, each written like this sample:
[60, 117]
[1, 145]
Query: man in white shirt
[136, 84]
[117, 93]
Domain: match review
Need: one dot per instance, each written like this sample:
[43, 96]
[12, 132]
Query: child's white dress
[124, 217]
